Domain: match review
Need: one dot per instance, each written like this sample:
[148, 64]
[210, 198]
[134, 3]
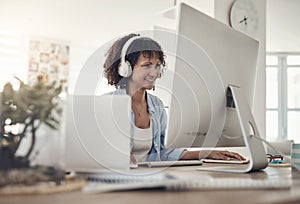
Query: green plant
[26, 109]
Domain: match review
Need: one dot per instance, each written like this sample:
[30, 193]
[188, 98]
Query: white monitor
[209, 56]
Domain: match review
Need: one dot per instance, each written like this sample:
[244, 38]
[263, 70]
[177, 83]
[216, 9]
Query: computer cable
[276, 150]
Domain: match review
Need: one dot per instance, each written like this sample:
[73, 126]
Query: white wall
[206, 6]
[86, 25]
[91, 22]
[283, 28]
[222, 10]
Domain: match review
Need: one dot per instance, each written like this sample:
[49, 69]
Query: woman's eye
[147, 65]
[158, 66]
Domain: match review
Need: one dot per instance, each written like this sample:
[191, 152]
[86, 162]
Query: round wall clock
[243, 17]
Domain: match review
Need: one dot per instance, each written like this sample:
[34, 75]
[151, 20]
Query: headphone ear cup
[125, 69]
[129, 72]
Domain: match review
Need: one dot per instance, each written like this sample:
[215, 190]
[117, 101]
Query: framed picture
[50, 59]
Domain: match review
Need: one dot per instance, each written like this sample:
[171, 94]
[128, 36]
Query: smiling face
[145, 71]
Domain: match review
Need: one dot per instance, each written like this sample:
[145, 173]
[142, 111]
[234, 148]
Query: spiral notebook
[100, 183]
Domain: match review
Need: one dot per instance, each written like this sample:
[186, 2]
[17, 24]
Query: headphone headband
[125, 68]
[126, 46]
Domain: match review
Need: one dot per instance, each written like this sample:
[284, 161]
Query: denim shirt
[158, 117]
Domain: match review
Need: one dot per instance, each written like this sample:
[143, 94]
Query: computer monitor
[210, 56]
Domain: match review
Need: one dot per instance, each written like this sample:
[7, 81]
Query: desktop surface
[291, 195]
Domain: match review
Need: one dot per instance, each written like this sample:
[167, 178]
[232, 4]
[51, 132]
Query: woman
[132, 65]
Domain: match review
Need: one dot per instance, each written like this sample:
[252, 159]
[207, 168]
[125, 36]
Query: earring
[153, 88]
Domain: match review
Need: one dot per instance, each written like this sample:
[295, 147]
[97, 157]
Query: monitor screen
[209, 56]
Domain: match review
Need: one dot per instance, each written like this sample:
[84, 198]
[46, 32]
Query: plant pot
[9, 161]
[6, 159]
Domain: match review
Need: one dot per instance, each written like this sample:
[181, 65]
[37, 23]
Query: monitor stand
[256, 152]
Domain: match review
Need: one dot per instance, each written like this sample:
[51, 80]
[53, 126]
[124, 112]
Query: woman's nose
[154, 72]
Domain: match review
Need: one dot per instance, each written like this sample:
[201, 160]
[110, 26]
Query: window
[283, 96]
[12, 58]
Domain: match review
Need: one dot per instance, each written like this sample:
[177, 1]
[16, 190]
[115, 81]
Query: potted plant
[22, 112]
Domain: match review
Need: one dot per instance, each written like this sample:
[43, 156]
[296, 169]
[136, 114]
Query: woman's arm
[210, 154]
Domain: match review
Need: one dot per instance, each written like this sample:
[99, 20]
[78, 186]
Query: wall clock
[244, 17]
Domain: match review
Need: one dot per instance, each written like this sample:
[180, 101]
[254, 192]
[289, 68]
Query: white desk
[181, 197]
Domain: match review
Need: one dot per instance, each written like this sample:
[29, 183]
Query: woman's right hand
[132, 159]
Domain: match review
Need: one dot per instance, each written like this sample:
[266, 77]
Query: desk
[180, 197]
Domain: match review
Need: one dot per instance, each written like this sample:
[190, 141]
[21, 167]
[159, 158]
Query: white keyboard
[232, 183]
[170, 163]
[232, 161]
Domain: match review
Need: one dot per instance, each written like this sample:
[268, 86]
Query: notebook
[166, 181]
[105, 182]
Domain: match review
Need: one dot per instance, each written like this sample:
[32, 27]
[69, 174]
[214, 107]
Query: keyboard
[232, 161]
[170, 163]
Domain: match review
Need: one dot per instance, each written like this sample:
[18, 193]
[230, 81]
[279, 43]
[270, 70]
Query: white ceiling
[283, 26]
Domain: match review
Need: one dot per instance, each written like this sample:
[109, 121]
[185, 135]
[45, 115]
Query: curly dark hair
[144, 45]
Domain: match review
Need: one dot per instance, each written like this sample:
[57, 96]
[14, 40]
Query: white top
[142, 143]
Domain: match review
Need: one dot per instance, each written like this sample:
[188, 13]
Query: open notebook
[99, 183]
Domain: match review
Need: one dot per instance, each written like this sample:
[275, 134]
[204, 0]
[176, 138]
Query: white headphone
[125, 69]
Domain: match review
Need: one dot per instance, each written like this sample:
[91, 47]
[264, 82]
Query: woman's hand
[210, 154]
[132, 159]
[223, 155]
